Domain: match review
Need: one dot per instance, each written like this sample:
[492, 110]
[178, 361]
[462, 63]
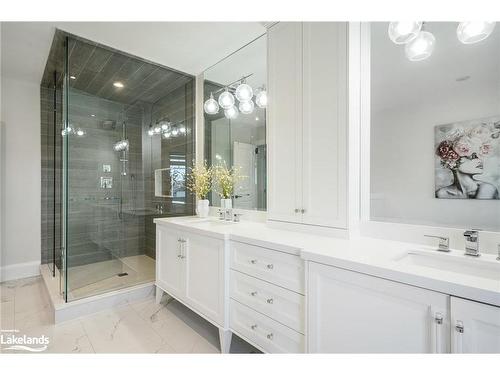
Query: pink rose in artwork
[443, 149]
[462, 147]
[485, 148]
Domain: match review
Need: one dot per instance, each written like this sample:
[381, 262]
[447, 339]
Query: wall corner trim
[19, 271]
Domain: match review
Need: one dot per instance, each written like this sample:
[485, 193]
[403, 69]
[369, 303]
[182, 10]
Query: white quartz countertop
[370, 256]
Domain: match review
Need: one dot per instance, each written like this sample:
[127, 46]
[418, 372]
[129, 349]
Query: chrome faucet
[444, 243]
[472, 242]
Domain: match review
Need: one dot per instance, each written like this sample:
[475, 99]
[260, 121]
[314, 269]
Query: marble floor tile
[7, 314]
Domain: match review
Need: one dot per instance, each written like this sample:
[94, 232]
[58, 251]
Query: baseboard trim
[19, 271]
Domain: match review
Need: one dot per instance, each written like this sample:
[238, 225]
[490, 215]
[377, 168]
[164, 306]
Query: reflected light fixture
[261, 98]
[211, 106]
[246, 107]
[421, 47]
[231, 113]
[72, 77]
[226, 99]
[118, 84]
[404, 32]
[244, 92]
[475, 31]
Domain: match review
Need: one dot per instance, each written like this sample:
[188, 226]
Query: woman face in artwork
[471, 165]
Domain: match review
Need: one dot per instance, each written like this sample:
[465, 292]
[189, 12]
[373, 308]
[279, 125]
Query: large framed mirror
[237, 136]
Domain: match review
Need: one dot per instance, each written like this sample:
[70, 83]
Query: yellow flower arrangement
[226, 179]
[199, 181]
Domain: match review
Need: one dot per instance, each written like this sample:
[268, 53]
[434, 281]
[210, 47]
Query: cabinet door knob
[438, 318]
[270, 336]
[270, 301]
[254, 326]
[253, 261]
[303, 211]
[270, 266]
[297, 210]
[253, 294]
[459, 326]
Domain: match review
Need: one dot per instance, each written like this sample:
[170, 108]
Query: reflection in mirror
[237, 136]
[435, 128]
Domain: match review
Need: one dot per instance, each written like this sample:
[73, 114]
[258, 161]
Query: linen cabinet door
[475, 327]
[204, 262]
[349, 312]
[325, 123]
[284, 122]
[169, 264]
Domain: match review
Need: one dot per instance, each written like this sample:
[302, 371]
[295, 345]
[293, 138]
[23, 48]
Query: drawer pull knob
[270, 336]
[254, 327]
[253, 294]
[253, 261]
[270, 301]
[270, 266]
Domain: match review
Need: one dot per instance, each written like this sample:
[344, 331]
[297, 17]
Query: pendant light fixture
[244, 92]
[231, 113]
[475, 31]
[246, 107]
[226, 99]
[404, 32]
[421, 47]
[211, 106]
[261, 98]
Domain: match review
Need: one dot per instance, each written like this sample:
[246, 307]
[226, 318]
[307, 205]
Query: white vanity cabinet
[355, 313]
[475, 327]
[307, 123]
[191, 268]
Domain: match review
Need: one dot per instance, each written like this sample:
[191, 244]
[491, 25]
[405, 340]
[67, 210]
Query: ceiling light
[261, 98]
[256, 119]
[246, 107]
[211, 106]
[226, 99]
[421, 47]
[118, 84]
[473, 32]
[72, 77]
[244, 92]
[404, 32]
[92, 115]
[231, 113]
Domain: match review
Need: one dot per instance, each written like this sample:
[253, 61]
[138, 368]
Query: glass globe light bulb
[231, 113]
[226, 99]
[244, 92]
[421, 47]
[80, 132]
[404, 32]
[473, 32]
[164, 125]
[211, 106]
[151, 132]
[246, 107]
[261, 98]
[175, 132]
[182, 129]
[166, 135]
[157, 129]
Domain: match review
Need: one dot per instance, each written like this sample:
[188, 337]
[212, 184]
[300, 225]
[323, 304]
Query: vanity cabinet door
[284, 119]
[205, 287]
[324, 141]
[169, 261]
[475, 327]
[351, 312]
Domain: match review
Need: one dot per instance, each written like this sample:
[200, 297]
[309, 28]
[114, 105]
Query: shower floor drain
[121, 274]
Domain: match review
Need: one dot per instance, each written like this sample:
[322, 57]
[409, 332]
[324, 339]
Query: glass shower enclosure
[117, 142]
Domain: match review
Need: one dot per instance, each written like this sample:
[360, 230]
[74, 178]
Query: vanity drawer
[269, 335]
[281, 304]
[274, 266]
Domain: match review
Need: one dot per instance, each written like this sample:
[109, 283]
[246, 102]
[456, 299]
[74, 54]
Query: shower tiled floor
[137, 327]
[95, 278]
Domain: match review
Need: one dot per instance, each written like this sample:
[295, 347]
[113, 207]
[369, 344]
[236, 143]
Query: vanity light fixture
[475, 31]
[421, 47]
[226, 99]
[404, 32]
[231, 113]
[211, 106]
[261, 97]
[246, 107]
[244, 91]
[118, 84]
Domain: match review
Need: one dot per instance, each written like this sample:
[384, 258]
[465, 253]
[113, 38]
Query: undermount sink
[485, 267]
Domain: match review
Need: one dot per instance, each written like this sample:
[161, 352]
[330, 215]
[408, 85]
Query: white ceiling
[190, 47]
[396, 81]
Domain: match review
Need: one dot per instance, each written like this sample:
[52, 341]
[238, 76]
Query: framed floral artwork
[467, 159]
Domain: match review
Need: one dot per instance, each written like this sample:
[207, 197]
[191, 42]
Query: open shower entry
[117, 141]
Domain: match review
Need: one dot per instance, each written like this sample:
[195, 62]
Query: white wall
[20, 178]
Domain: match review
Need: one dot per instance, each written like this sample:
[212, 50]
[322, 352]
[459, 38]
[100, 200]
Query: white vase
[226, 203]
[202, 208]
